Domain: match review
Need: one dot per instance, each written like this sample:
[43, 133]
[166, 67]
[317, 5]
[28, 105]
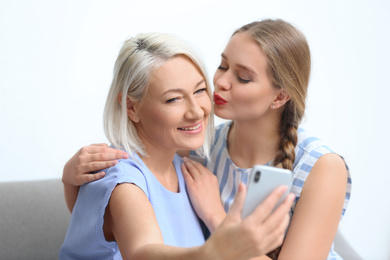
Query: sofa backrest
[33, 219]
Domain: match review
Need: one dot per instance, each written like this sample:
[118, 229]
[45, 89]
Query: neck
[160, 163]
[253, 142]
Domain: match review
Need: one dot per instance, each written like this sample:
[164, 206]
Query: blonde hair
[288, 65]
[136, 61]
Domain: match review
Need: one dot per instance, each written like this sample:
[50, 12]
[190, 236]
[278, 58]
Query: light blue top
[177, 220]
[308, 150]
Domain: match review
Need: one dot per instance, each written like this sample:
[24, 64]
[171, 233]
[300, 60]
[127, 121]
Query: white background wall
[56, 61]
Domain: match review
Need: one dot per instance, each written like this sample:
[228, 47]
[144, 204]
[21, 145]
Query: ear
[131, 108]
[281, 99]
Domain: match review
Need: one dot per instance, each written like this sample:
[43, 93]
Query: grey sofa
[34, 220]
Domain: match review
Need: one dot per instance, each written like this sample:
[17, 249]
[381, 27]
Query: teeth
[190, 128]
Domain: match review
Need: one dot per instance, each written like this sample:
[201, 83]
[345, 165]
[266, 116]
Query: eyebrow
[181, 90]
[240, 65]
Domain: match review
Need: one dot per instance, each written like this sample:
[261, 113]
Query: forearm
[263, 257]
[234, 239]
[215, 220]
[70, 194]
[214, 249]
[208, 251]
[162, 252]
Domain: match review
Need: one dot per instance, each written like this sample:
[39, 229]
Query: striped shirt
[308, 150]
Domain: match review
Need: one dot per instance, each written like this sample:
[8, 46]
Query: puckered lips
[219, 100]
[192, 129]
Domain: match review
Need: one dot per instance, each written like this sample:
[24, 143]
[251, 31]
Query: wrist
[215, 219]
[64, 174]
[208, 251]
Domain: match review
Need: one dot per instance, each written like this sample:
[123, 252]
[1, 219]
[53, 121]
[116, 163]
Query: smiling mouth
[190, 128]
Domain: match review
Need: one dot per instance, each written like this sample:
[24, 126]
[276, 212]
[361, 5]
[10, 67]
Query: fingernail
[125, 156]
[185, 159]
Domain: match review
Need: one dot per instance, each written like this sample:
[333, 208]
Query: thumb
[236, 208]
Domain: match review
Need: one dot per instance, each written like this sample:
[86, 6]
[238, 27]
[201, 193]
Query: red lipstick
[219, 100]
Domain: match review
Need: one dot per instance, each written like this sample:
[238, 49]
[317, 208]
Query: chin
[193, 145]
[223, 115]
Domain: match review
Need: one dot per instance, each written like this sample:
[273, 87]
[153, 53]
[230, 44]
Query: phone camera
[257, 176]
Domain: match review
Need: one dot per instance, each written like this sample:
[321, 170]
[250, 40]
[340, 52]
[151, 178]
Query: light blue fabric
[308, 150]
[176, 218]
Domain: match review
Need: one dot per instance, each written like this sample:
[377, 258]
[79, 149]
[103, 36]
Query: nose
[194, 110]
[221, 81]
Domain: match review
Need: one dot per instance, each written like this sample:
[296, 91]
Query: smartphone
[262, 181]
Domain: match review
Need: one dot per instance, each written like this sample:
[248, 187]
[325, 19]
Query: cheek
[206, 106]
[251, 101]
[244, 97]
[157, 119]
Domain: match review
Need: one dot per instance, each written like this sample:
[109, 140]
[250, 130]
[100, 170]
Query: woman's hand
[139, 237]
[256, 235]
[203, 190]
[94, 157]
[77, 170]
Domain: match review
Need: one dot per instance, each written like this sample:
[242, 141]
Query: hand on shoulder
[92, 158]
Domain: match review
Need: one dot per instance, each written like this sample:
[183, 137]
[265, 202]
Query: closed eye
[222, 68]
[243, 80]
[172, 100]
[199, 91]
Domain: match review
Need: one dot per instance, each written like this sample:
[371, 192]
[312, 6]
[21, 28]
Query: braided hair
[288, 66]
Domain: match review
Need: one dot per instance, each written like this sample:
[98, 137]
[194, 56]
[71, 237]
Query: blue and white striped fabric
[308, 150]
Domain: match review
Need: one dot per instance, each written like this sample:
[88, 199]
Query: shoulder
[310, 144]
[316, 163]
[96, 195]
[309, 149]
[125, 171]
[126, 168]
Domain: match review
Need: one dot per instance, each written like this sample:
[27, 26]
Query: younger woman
[261, 86]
